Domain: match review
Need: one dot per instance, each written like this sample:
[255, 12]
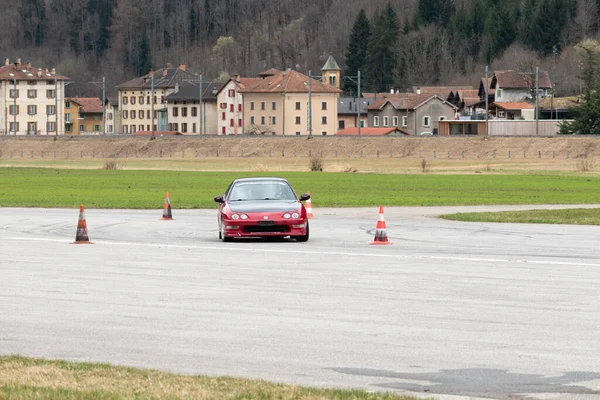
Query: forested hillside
[410, 42]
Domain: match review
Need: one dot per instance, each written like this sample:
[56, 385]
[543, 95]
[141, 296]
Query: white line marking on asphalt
[330, 253]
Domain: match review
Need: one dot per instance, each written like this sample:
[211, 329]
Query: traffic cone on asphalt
[381, 230]
[309, 212]
[81, 237]
[167, 209]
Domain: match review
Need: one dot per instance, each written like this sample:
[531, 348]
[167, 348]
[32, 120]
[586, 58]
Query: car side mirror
[219, 199]
[304, 197]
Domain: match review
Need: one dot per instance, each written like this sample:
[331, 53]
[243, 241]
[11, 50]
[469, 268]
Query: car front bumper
[271, 228]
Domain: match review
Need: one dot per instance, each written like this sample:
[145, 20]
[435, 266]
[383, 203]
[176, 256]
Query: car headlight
[286, 216]
[295, 215]
[243, 216]
[235, 216]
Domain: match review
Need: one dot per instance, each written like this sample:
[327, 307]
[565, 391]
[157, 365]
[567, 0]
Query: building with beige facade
[31, 100]
[135, 100]
[83, 116]
[278, 104]
[111, 113]
[183, 113]
[230, 104]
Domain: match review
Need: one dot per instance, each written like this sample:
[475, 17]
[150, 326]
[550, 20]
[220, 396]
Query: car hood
[263, 206]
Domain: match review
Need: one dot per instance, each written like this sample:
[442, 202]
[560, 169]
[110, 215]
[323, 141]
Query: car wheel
[303, 238]
[224, 238]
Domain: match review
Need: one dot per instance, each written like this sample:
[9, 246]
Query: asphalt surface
[450, 308]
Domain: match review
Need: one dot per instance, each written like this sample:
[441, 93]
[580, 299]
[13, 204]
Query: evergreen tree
[33, 21]
[193, 24]
[586, 117]
[382, 58]
[356, 54]
[545, 33]
[144, 57]
[498, 36]
[435, 12]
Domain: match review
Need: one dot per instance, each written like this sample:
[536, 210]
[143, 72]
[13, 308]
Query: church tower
[331, 73]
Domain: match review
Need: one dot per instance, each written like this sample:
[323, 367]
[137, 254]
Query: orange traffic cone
[81, 237]
[167, 209]
[309, 212]
[380, 231]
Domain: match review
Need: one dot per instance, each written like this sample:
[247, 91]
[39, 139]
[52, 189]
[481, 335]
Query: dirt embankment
[572, 147]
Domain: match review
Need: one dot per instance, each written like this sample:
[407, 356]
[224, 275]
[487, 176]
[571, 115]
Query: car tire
[224, 238]
[304, 238]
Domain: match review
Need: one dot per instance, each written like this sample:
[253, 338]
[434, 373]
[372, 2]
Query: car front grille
[266, 228]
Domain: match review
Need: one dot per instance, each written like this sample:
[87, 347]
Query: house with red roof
[83, 116]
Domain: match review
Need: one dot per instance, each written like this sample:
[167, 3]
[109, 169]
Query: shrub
[316, 163]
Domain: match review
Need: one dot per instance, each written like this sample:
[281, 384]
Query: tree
[382, 58]
[586, 117]
[33, 21]
[145, 57]
[356, 55]
[437, 12]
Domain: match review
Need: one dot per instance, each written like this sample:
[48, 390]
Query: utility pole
[358, 102]
[487, 86]
[103, 103]
[309, 103]
[537, 100]
[15, 106]
[153, 101]
[200, 93]
[55, 108]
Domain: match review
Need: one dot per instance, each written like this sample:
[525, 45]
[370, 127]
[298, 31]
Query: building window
[498, 93]
[231, 92]
[297, 105]
[362, 123]
[223, 116]
[175, 111]
[332, 80]
[341, 124]
[176, 126]
[50, 94]
[184, 127]
[81, 128]
[223, 130]
[223, 106]
[32, 128]
[50, 110]
[68, 104]
[124, 100]
[231, 122]
[194, 111]
[231, 107]
[148, 99]
[14, 110]
[50, 126]
[194, 127]
[251, 105]
[501, 114]
[297, 133]
[251, 120]
[298, 120]
[141, 100]
[141, 114]
[273, 105]
[31, 94]
[109, 128]
[109, 117]
[386, 121]
[14, 126]
[184, 111]
[375, 121]
[132, 100]
[96, 128]
[395, 121]
[426, 122]
[273, 120]
[31, 82]
[14, 94]
[125, 114]
[442, 118]
[132, 115]
[125, 129]
[404, 121]
[323, 105]
[239, 122]
[31, 110]
[133, 129]
[323, 120]
[324, 133]
[262, 120]
[262, 105]
[69, 128]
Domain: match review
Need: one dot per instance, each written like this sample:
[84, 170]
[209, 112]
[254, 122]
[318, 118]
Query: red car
[262, 207]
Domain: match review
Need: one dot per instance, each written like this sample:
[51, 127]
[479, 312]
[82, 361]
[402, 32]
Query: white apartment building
[183, 113]
[230, 106]
[135, 103]
[31, 100]
[111, 115]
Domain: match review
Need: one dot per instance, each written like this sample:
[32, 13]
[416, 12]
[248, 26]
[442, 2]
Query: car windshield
[261, 190]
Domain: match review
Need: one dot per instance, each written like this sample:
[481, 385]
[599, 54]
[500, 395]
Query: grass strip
[28, 378]
[578, 216]
[136, 189]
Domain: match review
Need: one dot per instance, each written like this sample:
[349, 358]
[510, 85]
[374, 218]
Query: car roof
[258, 179]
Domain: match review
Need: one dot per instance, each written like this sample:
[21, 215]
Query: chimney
[165, 71]
[391, 91]
[28, 65]
[176, 87]
[53, 71]
[7, 62]
[46, 70]
[18, 61]
[39, 73]
[418, 90]
[168, 65]
[182, 67]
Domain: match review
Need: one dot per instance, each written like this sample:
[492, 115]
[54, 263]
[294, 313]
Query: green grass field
[28, 378]
[570, 216]
[136, 189]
